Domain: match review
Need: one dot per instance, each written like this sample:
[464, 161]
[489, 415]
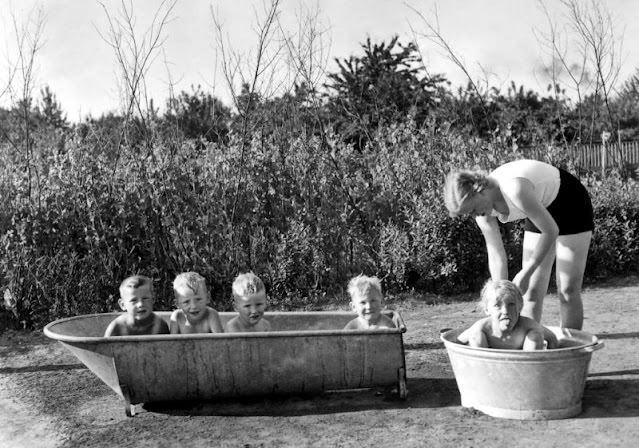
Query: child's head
[461, 186]
[191, 295]
[249, 295]
[366, 297]
[503, 302]
[136, 297]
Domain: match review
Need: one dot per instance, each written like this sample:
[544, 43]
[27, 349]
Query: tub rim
[50, 333]
[592, 346]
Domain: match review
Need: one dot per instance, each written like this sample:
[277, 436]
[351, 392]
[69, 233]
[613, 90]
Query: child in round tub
[505, 328]
[366, 301]
[193, 314]
[136, 298]
[249, 295]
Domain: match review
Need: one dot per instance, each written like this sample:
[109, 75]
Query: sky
[496, 39]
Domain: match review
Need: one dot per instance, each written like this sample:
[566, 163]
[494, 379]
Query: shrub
[305, 216]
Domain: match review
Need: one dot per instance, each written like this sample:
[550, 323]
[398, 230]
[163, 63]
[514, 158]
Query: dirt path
[48, 399]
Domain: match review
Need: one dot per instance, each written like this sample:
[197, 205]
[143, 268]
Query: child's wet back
[136, 299]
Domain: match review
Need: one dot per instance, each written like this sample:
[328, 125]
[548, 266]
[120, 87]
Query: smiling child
[366, 301]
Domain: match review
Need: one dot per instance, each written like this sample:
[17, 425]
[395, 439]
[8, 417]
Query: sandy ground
[49, 399]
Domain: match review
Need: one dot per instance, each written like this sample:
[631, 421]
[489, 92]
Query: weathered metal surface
[524, 385]
[307, 352]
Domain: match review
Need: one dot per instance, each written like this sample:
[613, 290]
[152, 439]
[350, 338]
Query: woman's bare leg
[538, 286]
[572, 253]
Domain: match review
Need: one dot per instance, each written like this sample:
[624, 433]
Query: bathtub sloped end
[99, 359]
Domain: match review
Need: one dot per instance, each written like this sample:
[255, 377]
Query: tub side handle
[593, 348]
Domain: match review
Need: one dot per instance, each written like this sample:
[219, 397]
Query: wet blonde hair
[245, 284]
[134, 282]
[191, 280]
[362, 284]
[460, 185]
[500, 288]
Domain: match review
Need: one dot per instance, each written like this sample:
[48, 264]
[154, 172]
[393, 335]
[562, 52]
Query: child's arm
[117, 327]
[214, 321]
[534, 340]
[550, 338]
[112, 329]
[474, 336]
[477, 337]
[174, 326]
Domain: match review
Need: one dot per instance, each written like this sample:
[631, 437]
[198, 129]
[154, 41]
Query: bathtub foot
[129, 408]
[402, 390]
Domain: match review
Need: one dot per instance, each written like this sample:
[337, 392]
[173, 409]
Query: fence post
[604, 139]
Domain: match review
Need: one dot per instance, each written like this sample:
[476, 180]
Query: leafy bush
[305, 216]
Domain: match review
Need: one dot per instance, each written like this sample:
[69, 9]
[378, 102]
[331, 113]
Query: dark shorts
[571, 209]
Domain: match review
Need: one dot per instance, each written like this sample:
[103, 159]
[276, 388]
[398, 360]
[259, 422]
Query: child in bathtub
[193, 314]
[504, 327]
[249, 295]
[366, 301]
[136, 298]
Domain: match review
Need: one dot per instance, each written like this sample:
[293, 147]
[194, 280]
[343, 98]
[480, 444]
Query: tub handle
[594, 347]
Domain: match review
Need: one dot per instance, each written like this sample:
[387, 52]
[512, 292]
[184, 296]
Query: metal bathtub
[305, 353]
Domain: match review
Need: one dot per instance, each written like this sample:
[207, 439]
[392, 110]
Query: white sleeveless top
[544, 177]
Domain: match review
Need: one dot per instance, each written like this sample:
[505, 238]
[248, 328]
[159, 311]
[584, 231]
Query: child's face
[503, 311]
[192, 303]
[251, 307]
[367, 305]
[138, 302]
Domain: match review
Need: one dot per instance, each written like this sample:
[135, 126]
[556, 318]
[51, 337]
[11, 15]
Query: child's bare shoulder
[214, 322]
[117, 327]
[159, 325]
[352, 325]
[233, 325]
[263, 325]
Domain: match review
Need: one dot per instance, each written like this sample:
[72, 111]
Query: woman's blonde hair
[460, 185]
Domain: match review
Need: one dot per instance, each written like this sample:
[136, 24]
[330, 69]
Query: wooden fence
[599, 157]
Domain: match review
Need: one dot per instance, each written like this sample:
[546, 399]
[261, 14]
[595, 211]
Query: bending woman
[559, 225]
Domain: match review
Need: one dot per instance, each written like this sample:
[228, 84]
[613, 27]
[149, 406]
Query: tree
[199, 115]
[51, 110]
[385, 85]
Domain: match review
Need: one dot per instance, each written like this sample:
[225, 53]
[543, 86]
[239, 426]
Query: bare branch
[434, 35]
[134, 52]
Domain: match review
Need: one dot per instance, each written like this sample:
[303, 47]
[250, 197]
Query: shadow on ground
[423, 393]
[611, 398]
